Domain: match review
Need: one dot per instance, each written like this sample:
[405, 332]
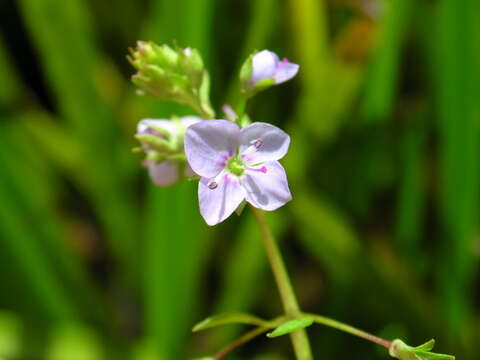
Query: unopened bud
[172, 74]
[264, 69]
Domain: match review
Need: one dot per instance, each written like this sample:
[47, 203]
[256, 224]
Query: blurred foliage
[96, 263]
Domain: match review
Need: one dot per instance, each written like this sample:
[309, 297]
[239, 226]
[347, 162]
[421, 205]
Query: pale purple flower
[236, 165]
[165, 167]
[267, 65]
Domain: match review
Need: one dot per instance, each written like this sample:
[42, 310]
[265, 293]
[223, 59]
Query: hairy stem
[299, 338]
[349, 329]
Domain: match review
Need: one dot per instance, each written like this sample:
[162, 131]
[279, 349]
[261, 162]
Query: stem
[204, 110]
[349, 329]
[242, 340]
[240, 108]
[299, 338]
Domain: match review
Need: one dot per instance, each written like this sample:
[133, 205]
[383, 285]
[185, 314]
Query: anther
[257, 143]
[212, 185]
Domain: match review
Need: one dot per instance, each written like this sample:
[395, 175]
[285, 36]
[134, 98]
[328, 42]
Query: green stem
[204, 110]
[245, 338]
[241, 107]
[299, 338]
[349, 329]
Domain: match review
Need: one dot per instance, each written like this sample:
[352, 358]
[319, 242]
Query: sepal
[398, 349]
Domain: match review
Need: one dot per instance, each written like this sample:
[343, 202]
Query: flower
[162, 141]
[264, 69]
[236, 165]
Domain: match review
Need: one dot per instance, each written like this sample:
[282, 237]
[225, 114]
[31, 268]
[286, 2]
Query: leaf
[232, 318]
[291, 326]
[427, 346]
[398, 349]
[425, 355]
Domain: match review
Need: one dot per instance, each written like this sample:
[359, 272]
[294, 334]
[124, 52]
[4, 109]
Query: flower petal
[263, 142]
[285, 71]
[220, 202]
[164, 173]
[190, 120]
[208, 144]
[267, 186]
[264, 64]
[144, 124]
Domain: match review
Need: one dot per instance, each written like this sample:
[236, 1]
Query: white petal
[263, 142]
[216, 204]
[208, 144]
[267, 186]
[164, 173]
[285, 71]
[264, 64]
[144, 124]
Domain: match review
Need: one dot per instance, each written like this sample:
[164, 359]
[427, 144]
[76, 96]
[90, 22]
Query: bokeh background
[383, 232]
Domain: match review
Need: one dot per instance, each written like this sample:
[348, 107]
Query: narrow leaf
[427, 346]
[233, 318]
[291, 326]
[425, 355]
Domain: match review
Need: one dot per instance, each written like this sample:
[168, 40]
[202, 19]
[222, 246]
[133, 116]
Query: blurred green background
[383, 232]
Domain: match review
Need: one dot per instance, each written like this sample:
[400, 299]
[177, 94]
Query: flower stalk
[299, 338]
[323, 320]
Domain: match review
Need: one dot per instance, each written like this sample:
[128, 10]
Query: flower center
[235, 166]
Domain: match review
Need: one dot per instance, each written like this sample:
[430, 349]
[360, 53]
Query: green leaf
[233, 318]
[427, 346]
[291, 326]
[425, 355]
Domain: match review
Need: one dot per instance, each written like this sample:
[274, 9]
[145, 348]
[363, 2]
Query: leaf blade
[291, 326]
[232, 318]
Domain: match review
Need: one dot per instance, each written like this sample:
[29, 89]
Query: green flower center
[235, 166]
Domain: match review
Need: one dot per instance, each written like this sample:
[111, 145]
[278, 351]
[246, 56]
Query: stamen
[254, 146]
[263, 169]
[257, 143]
[213, 184]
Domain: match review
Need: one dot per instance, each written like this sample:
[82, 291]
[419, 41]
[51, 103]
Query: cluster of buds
[172, 74]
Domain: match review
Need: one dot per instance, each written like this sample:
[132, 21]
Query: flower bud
[264, 69]
[172, 74]
[162, 142]
[191, 64]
